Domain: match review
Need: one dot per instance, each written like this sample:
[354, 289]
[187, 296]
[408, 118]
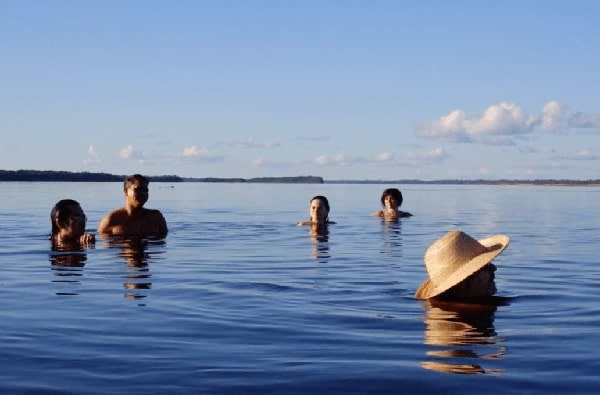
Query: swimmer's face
[136, 193]
[74, 226]
[390, 202]
[318, 211]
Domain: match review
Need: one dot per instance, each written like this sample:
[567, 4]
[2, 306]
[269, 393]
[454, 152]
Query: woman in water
[391, 200]
[68, 225]
[318, 211]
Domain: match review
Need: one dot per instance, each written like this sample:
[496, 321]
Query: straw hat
[454, 257]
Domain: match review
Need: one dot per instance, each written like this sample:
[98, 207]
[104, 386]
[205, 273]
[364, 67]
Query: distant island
[67, 176]
[549, 182]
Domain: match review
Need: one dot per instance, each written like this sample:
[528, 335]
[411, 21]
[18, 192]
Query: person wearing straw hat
[459, 267]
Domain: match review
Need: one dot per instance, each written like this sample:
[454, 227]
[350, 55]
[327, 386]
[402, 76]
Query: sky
[345, 90]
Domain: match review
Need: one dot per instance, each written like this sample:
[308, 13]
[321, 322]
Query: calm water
[238, 299]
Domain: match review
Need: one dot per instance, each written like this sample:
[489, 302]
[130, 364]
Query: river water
[237, 299]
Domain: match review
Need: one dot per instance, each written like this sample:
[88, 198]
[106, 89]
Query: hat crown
[449, 253]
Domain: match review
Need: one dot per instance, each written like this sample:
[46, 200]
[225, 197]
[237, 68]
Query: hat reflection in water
[459, 266]
[469, 330]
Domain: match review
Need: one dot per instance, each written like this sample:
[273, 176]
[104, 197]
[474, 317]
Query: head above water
[135, 188]
[136, 179]
[393, 193]
[319, 209]
[459, 266]
[67, 213]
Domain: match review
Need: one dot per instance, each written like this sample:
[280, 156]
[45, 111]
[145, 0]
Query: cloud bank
[497, 125]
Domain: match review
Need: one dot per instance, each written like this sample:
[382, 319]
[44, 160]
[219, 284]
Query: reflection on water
[67, 266]
[392, 237]
[468, 330]
[319, 236]
[137, 253]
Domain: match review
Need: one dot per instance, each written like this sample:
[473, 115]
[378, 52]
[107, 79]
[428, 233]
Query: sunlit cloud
[384, 157]
[552, 116]
[195, 154]
[131, 154]
[194, 151]
[335, 160]
[92, 158]
[496, 125]
[426, 158]
[581, 120]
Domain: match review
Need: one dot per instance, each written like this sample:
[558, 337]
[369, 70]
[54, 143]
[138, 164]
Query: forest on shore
[67, 176]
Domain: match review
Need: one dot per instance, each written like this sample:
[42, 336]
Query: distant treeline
[51, 175]
[595, 182]
[279, 180]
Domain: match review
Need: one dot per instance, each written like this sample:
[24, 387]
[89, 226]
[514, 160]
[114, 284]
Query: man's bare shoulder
[150, 212]
[114, 218]
[118, 213]
[155, 222]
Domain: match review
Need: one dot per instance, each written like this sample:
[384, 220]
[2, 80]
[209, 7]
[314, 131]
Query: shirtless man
[134, 219]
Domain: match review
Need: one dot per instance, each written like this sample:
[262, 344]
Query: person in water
[134, 219]
[318, 211]
[391, 200]
[68, 225]
[460, 268]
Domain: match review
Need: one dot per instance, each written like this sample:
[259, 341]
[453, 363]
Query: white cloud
[92, 158]
[126, 152]
[194, 151]
[333, 160]
[452, 125]
[130, 153]
[424, 158]
[337, 160]
[384, 157]
[435, 154]
[584, 121]
[498, 122]
[552, 116]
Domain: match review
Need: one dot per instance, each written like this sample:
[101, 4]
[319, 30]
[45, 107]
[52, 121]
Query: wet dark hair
[393, 192]
[134, 178]
[323, 200]
[61, 212]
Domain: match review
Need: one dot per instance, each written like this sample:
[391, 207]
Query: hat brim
[494, 244]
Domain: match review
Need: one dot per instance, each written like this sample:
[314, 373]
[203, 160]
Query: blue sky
[338, 89]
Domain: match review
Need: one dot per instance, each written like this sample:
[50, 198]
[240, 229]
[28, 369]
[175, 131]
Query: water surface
[237, 299]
